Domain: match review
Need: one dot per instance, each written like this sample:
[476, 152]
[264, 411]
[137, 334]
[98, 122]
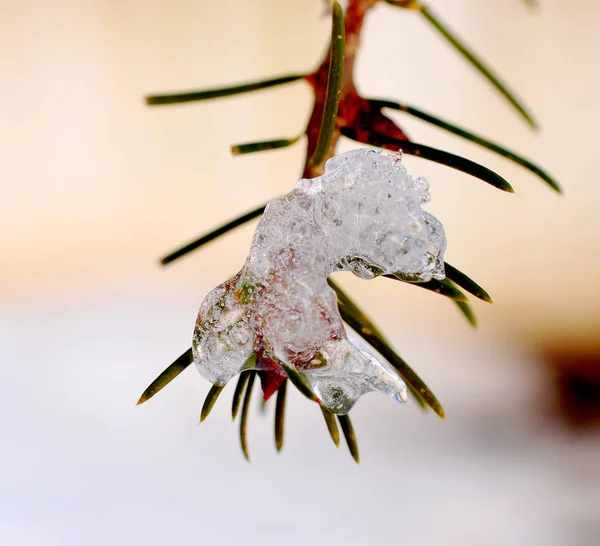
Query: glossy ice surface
[363, 215]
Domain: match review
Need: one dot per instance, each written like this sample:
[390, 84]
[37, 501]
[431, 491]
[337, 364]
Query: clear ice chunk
[362, 215]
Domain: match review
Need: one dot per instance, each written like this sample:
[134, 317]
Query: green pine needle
[280, 415]
[209, 402]
[467, 311]
[441, 287]
[348, 431]
[207, 94]
[477, 64]
[300, 383]
[262, 146]
[334, 86]
[416, 396]
[237, 394]
[331, 425]
[447, 288]
[167, 376]
[244, 418]
[212, 235]
[465, 282]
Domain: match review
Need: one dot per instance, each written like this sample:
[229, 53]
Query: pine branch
[340, 110]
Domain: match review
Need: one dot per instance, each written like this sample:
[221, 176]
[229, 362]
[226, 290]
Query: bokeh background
[96, 187]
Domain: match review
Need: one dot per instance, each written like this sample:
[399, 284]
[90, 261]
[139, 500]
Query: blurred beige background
[96, 186]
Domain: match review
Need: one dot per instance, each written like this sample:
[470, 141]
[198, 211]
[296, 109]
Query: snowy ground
[81, 465]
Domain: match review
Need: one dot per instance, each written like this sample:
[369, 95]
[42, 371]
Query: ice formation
[362, 215]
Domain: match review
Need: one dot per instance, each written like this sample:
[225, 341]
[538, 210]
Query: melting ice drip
[362, 215]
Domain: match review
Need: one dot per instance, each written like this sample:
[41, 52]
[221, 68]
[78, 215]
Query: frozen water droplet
[421, 187]
[397, 159]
